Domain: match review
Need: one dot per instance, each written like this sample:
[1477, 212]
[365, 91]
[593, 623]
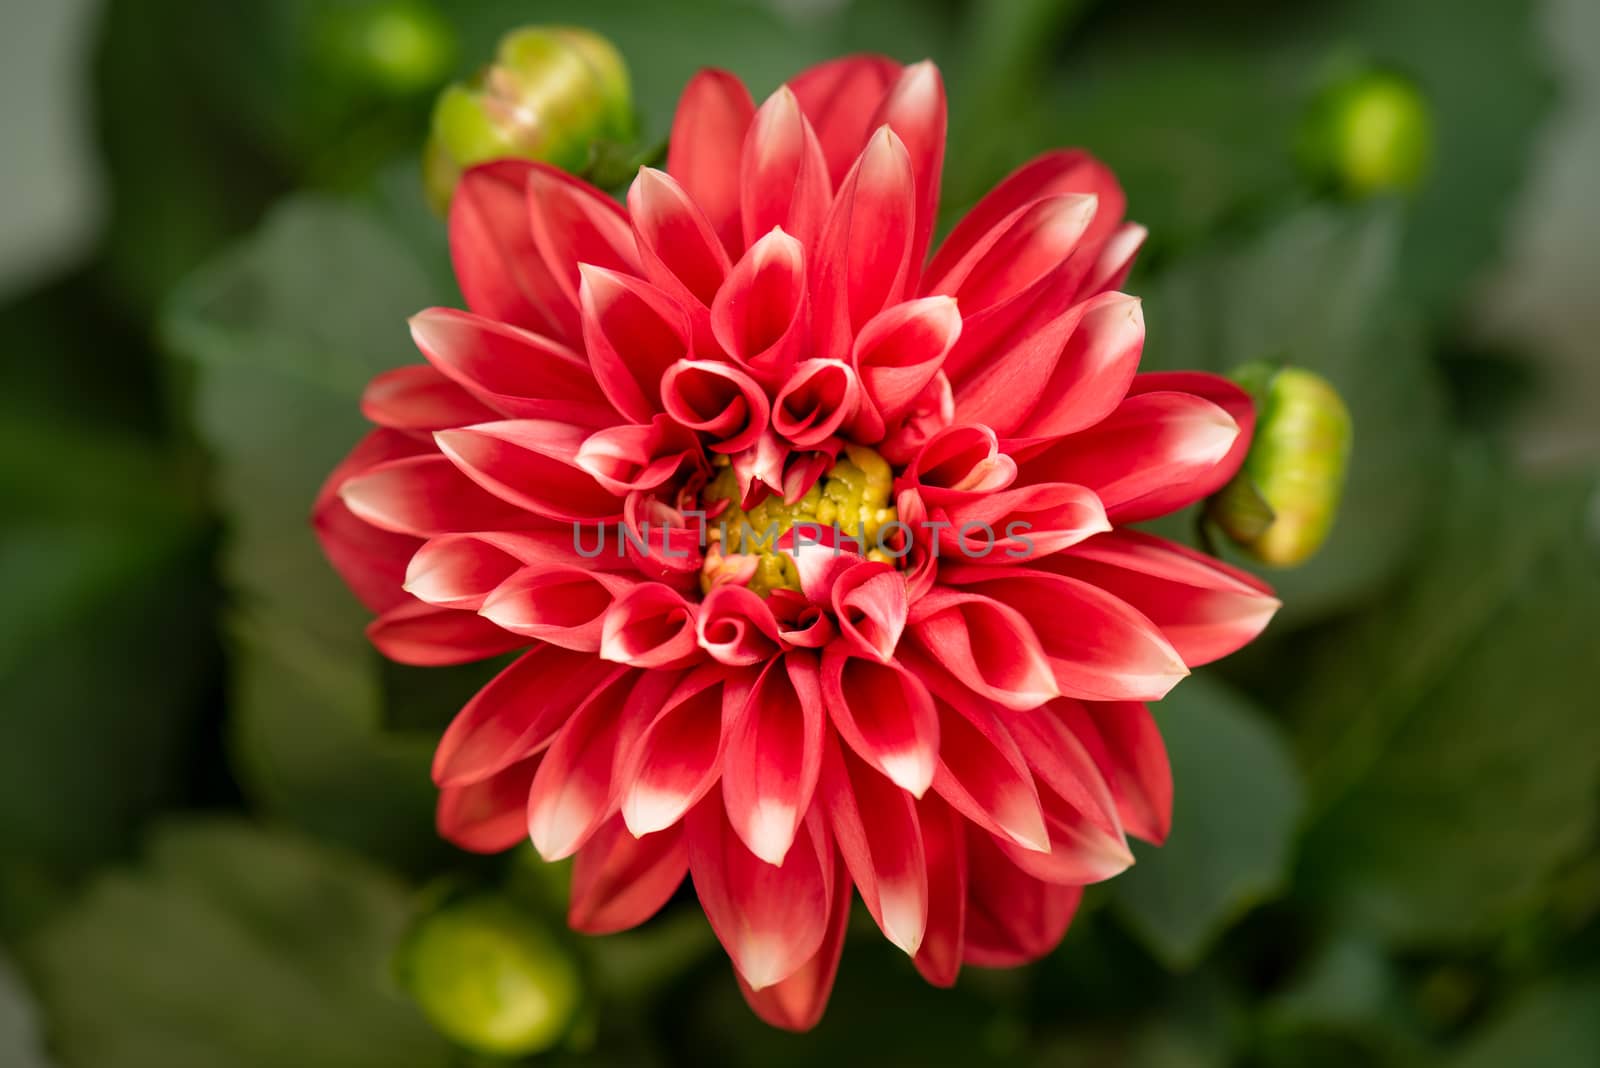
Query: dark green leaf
[284, 333]
[19, 1033]
[1553, 1026]
[232, 946]
[1236, 800]
[1451, 738]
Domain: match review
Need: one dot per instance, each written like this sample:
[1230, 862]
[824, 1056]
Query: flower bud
[395, 47]
[489, 977]
[550, 95]
[1281, 505]
[1367, 133]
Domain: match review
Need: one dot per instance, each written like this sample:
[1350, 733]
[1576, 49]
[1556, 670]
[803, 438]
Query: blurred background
[216, 841]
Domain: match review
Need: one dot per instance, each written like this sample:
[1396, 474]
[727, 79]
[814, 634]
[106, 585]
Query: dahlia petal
[801, 622]
[1021, 524]
[1081, 851]
[1225, 395]
[896, 355]
[1126, 745]
[760, 468]
[796, 1003]
[869, 603]
[488, 816]
[1116, 259]
[1075, 371]
[1067, 772]
[1100, 648]
[1055, 173]
[1024, 250]
[575, 789]
[784, 180]
[574, 224]
[771, 919]
[428, 495]
[678, 757]
[982, 774]
[818, 398]
[619, 881]
[737, 628]
[933, 410]
[562, 604]
[988, 646]
[708, 133]
[1156, 453]
[863, 262]
[915, 110]
[961, 463]
[1205, 608]
[420, 398]
[499, 269]
[517, 713]
[677, 246]
[372, 561]
[874, 823]
[633, 332]
[920, 563]
[774, 756]
[659, 542]
[885, 714]
[461, 570]
[515, 372]
[944, 845]
[425, 636]
[623, 459]
[531, 464]
[650, 626]
[1012, 918]
[841, 99]
[761, 315]
[718, 400]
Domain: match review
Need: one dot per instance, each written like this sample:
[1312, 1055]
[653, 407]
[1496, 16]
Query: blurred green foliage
[1384, 846]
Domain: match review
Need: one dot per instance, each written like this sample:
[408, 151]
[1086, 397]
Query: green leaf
[1315, 290]
[1450, 736]
[1236, 802]
[1551, 1026]
[105, 663]
[284, 333]
[231, 946]
[19, 1033]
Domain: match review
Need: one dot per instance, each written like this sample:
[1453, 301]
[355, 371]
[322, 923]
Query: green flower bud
[1281, 505]
[551, 94]
[397, 47]
[490, 977]
[1367, 133]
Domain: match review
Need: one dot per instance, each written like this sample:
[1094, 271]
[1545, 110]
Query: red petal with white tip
[497, 265]
[988, 646]
[460, 570]
[863, 261]
[875, 825]
[1012, 917]
[650, 626]
[1155, 453]
[679, 755]
[574, 791]
[896, 354]
[1125, 744]
[737, 628]
[1205, 608]
[774, 756]
[424, 636]
[624, 459]
[489, 816]
[532, 464]
[420, 398]
[708, 134]
[818, 398]
[633, 332]
[1099, 648]
[1021, 524]
[796, 1003]
[718, 400]
[961, 463]
[574, 224]
[914, 109]
[428, 495]
[619, 881]
[784, 178]
[761, 316]
[944, 845]
[515, 372]
[564, 605]
[517, 713]
[869, 603]
[679, 250]
[885, 714]
[771, 919]
[841, 99]
[371, 561]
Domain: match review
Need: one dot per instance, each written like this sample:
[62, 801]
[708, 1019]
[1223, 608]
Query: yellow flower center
[854, 497]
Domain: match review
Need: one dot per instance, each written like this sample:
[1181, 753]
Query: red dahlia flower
[927, 681]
